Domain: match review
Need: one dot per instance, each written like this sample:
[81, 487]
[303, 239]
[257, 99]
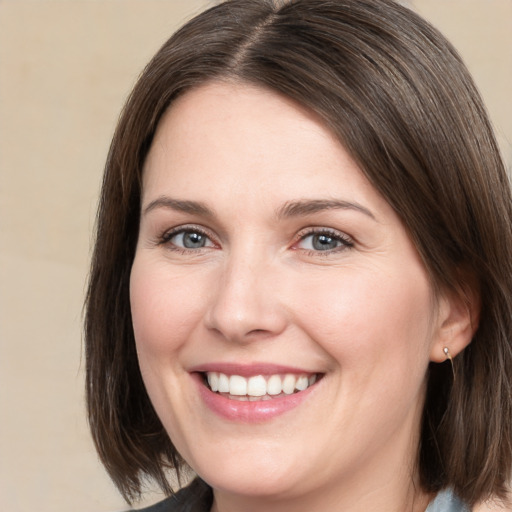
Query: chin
[253, 469]
[256, 482]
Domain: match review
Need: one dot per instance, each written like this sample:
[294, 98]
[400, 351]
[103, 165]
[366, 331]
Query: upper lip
[249, 370]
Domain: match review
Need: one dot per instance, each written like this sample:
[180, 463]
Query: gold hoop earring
[446, 351]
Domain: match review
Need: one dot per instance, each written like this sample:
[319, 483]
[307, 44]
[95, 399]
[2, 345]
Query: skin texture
[362, 314]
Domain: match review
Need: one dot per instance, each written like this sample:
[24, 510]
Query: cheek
[164, 313]
[163, 308]
[370, 316]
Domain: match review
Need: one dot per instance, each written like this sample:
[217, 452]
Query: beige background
[65, 68]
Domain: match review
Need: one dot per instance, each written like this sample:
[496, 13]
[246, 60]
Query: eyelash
[165, 238]
[345, 241]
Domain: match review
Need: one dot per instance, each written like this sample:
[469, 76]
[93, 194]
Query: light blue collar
[446, 501]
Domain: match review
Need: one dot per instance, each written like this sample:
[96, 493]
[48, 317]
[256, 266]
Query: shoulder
[196, 497]
[446, 501]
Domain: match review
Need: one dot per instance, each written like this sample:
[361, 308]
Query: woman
[301, 286]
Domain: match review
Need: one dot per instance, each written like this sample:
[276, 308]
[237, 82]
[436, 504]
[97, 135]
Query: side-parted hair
[401, 102]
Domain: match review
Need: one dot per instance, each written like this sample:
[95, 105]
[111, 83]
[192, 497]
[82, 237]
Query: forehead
[240, 118]
[232, 139]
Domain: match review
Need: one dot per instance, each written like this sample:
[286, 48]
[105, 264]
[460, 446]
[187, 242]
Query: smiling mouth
[258, 387]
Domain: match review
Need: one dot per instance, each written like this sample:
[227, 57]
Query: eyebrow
[192, 207]
[310, 206]
[289, 209]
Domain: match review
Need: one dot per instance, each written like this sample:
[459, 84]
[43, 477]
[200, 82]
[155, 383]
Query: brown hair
[402, 103]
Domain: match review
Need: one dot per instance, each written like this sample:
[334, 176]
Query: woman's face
[268, 264]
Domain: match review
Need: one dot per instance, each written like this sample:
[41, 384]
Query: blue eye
[188, 239]
[324, 241]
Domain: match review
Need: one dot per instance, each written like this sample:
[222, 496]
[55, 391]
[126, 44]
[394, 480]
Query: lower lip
[246, 411]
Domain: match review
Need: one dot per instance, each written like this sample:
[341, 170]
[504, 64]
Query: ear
[458, 314]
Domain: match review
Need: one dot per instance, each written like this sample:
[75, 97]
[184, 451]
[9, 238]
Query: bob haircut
[401, 102]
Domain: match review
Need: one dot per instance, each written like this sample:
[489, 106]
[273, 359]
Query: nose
[246, 303]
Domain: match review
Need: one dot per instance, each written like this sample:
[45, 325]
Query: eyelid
[168, 234]
[346, 241]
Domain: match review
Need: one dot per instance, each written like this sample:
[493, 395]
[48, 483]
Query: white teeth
[258, 387]
[213, 381]
[289, 384]
[223, 383]
[274, 385]
[302, 383]
[237, 385]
